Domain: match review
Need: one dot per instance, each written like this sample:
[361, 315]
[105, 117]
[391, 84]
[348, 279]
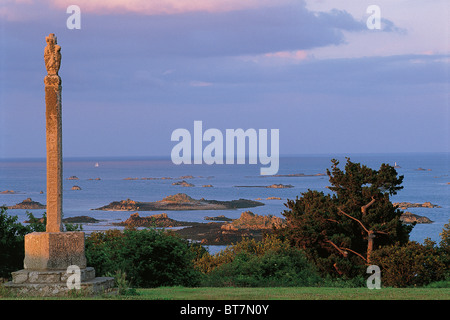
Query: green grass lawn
[287, 293]
[305, 293]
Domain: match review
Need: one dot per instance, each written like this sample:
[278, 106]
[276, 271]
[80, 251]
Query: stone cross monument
[48, 255]
[52, 81]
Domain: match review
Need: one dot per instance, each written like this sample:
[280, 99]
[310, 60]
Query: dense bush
[250, 263]
[206, 262]
[282, 268]
[149, 258]
[445, 247]
[12, 241]
[413, 264]
[11, 244]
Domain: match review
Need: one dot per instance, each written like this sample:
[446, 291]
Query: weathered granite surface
[54, 250]
[45, 283]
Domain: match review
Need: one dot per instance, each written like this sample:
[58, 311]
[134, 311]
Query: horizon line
[167, 157]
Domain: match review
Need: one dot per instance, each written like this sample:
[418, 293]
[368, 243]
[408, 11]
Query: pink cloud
[292, 55]
[155, 7]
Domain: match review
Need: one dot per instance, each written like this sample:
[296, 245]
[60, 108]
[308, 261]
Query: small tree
[339, 231]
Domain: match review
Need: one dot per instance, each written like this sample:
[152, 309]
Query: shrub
[11, 244]
[12, 241]
[150, 258]
[206, 262]
[413, 264]
[275, 268]
[251, 263]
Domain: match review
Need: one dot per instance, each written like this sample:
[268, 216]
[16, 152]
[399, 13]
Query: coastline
[27, 178]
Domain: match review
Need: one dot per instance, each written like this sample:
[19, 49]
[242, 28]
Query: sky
[137, 70]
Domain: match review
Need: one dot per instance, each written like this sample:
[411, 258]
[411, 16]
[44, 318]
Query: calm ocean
[28, 177]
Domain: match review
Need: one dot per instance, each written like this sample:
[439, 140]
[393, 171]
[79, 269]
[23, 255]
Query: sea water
[27, 177]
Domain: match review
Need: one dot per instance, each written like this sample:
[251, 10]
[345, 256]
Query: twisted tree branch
[347, 215]
[364, 208]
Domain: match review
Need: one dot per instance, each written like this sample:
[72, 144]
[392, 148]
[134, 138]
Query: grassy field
[306, 293]
[288, 293]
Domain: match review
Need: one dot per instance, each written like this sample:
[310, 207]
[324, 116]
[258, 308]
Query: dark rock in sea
[405, 205]
[179, 202]
[219, 218]
[183, 183]
[156, 220]
[273, 186]
[249, 225]
[76, 188]
[80, 219]
[280, 186]
[28, 204]
[186, 177]
[249, 220]
[409, 218]
[77, 219]
[8, 192]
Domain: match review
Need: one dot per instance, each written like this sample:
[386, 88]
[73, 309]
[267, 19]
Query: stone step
[96, 286]
[49, 276]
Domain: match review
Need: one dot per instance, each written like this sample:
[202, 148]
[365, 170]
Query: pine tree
[339, 230]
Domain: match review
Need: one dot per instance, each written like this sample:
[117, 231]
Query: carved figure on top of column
[52, 55]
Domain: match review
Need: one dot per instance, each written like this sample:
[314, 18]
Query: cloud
[138, 28]
[200, 84]
[290, 55]
[159, 7]
[256, 31]
[340, 19]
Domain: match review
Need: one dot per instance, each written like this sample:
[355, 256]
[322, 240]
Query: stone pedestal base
[54, 250]
[47, 257]
[54, 283]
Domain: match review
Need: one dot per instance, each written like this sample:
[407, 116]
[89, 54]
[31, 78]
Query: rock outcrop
[249, 220]
[8, 192]
[28, 204]
[156, 220]
[280, 186]
[272, 186]
[409, 218]
[405, 205]
[77, 219]
[219, 218]
[183, 183]
[249, 225]
[179, 202]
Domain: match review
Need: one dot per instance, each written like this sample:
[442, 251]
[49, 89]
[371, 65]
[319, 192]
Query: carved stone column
[48, 255]
[54, 152]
